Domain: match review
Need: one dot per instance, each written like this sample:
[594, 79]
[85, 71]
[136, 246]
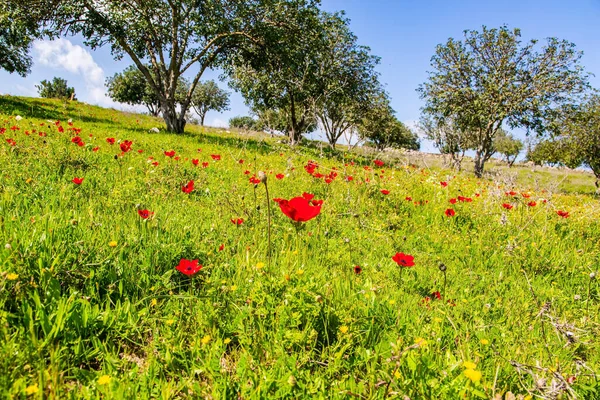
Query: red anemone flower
[188, 188]
[279, 176]
[145, 214]
[532, 204]
[126, 145]
[110, 140]
[77, 181]
[254, 180]
[507, 206]
[241, 161]
[385, 191]
[408, 198]
[563, 214]
[379, 163]
[221, 247]
[204, 164]
[465, 199]
[215, 157]
[195, 161]
[300, 209]
[95, 149]
[452, 201]
[357, 269]
[76, 139]
[404, 260]
[450, 213]
[237, 221]
[444, 184]
[170, 153]
[188, 267]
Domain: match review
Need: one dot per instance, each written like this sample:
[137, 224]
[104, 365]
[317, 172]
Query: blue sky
[403, 33]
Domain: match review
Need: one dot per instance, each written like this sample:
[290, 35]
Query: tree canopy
[209, 96]
[56, 89]
[491, 78]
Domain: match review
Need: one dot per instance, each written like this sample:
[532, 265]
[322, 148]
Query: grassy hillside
[500, 297]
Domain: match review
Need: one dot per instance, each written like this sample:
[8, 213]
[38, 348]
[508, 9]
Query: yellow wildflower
[473, 375]
[112, 243]
[484, 342]
[260, 265]
[205, 339]
[344, 329]
[421, 342]
[397, 374]
[31, 389]
[29, 180]
[469, 365]
[170, 321]
[12, 276]
[103, 380]
[153, 302]
[227, 341]
[300, 272]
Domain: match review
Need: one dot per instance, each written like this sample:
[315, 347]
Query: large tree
[576, 138]
[348, 79]
[56, 89]
[209, 96]
[508, 145]
[131, 87]
[284, 75]
[176, 37]
[491, 78]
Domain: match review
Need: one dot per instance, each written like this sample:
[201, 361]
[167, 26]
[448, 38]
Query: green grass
[80, 318]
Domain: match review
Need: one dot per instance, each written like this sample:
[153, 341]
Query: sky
[403, 33]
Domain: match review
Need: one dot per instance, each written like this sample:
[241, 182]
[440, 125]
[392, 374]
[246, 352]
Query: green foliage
[245, 122]
[507, 145]
[491, 78]
[56, 89]
[208, 96]
[447, 137]
[91, 305]
[131, 87]
[577, 138]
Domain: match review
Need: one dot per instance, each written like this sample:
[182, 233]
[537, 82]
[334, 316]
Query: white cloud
[62, 54]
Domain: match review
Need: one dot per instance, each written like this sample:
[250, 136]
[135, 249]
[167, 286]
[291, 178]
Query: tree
[130, 87]
[447, 137]
[57, 89]
[245, 122]
[176, 36]
[491, 78]
[507, 145]
[283, 75]
[576, 139]
[381, 128]
[348, 79]
[208, 96]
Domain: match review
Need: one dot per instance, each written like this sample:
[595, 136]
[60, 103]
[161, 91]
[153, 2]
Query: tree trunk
[175, 123]
[202, 119]
[479, 163]
[294, 122]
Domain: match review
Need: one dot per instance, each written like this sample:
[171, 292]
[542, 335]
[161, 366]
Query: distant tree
[507, 145]
[447, 137]
[382, 129]
[285, 74]
[208, 96]
[576, 139]
[56, 89]
[179, 36]
[131, 87]
[245, 122]
[491, 78]
[348, 78]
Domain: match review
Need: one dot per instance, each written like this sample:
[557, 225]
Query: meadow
[98, 219]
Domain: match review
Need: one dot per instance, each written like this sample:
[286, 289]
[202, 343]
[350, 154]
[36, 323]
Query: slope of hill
[410, 281]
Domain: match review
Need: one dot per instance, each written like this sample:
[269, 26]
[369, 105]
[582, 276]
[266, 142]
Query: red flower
[563, 214]
[436, 295]
[385, 191]
[237, 221]
[444, 184]
[170, 153]
[195, 161]
[61, 129]
[408, 198]
[526, 195]
[300, 209]
[404, 260]
[215, 157]
[254, 180]
[246, 172]
[379, 163]
[95, 149]
[77, 181]
[511, 193]
[450, 213]
[357, 270]
[155, 163]
[240, 161]
[221, 247]
[310, 167]
[177, 158]
[188, 188]
[126, 145]
[145, 214]
[532, 204]
[279, 176]
[188, 267]
[507, 206]
[76, 140]
[140, 151]
[452, 201]
[465, 199]
[110, 140]
[204, 164]
[349, 178]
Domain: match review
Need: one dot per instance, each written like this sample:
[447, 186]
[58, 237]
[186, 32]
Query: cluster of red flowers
[188, 187]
